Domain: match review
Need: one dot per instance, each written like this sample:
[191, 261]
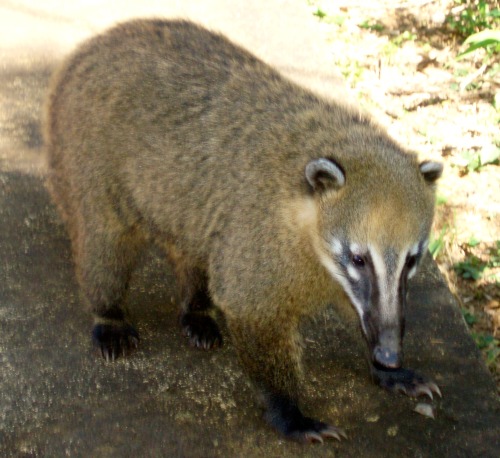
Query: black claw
[435, 389]
[404, 381]
[334, 433]
[114, 340]
[284, 415]
[201, 330]
[313, 436]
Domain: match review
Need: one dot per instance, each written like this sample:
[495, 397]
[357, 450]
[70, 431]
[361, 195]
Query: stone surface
[59, 398]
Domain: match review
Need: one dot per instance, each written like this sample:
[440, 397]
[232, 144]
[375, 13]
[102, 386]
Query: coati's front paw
[404, 381]
[201, 330]
[286, 417]
[114, 340]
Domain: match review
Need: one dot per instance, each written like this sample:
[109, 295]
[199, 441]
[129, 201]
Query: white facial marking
[336, 246]
[388, 281]
[337, 275]
[412, 272]
[413, 252]
[355, 248]
[353, 272]
[387, 309]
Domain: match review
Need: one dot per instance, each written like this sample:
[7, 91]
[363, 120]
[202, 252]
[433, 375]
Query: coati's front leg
[197, 325]
[270, 353]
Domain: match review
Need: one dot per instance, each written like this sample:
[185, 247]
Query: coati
[270, 201]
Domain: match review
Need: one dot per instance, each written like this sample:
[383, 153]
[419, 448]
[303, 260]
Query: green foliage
[473, 160]
[471, 268]
[474, 16]
[486, 39]
[473, 242]
[404, 37]
[482, 340]
[370, 25]
[323, 16]
[461, 72]
[391, 47]
[319, 13]
[469, 317]
[337, 19]
[494, 253]
[496, 100]
[487, 343]
[437, 244]
[352, 70]
[441, 200]
[491, 156]
[478, 159]
[489, 346]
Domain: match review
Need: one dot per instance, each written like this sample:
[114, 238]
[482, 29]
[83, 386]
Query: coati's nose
[387, 358]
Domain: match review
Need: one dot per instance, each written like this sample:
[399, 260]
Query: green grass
[471, 268]
[488, 344]
[476, 160]
[486, 39]
[475, 16]
[371, 25]
[436, 244]
[319, 13]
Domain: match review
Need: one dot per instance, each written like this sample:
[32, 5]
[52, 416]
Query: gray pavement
[58, 398]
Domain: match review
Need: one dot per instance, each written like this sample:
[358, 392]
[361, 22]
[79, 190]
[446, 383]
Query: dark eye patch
[358, 261]
[411, 262]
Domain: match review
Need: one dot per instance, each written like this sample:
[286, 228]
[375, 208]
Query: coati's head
[374, 216]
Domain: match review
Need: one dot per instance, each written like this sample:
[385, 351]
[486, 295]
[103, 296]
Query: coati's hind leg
[105, 255]
[197, 325]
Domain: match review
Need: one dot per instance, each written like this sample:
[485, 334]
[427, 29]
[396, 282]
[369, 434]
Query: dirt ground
[400, 59]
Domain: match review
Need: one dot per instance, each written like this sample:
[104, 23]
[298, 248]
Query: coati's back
[168, 112]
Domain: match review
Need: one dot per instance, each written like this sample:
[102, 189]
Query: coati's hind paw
[286, 417]
[114, 341]
[201, 330]
[405, 381]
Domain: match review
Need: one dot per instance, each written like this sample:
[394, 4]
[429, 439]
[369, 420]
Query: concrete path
[57, 398]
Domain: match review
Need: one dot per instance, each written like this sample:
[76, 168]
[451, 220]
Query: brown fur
[161, 130]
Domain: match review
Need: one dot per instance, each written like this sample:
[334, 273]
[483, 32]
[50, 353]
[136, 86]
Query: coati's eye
[358, 261]
[411, 262]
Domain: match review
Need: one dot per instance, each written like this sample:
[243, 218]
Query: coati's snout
[375, 281]
[386, 347]
[376, 284]
[387, 358]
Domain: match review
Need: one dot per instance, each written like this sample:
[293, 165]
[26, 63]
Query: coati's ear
[323, 174]
[431, 170]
